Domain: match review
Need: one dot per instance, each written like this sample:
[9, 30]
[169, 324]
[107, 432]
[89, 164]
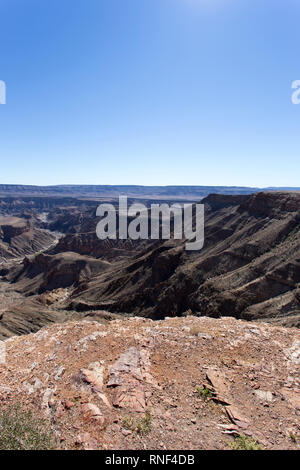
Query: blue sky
[150, 92]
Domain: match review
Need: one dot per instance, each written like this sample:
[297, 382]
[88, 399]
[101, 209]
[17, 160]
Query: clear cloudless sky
[153, 92]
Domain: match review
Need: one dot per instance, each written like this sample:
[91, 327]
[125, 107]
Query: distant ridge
[145, 192]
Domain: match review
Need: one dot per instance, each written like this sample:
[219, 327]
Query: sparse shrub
[204, 392]
[144, 424]
[128, 422]
[188, 313]
[140, 426]
[242, 442]
[21, 430]
[293, 438]
[195, 330]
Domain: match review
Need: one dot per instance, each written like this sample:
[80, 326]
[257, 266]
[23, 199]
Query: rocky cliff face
[248, 268]
[45, 273]
[18, 237]
[12, 228]
[181, 383]
[89, 244]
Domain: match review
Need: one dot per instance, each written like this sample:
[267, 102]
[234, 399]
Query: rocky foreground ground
[180, 383]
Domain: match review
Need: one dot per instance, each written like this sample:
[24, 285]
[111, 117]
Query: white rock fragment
[59, 373]
[264, 395]
[293, 353]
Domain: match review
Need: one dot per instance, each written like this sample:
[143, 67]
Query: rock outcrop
[180, 383]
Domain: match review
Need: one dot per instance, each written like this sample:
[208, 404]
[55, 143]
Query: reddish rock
[69, 404]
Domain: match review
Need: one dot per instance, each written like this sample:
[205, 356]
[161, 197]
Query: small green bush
[140, 426]
[242, 442]
[21, 430]
[203, 392]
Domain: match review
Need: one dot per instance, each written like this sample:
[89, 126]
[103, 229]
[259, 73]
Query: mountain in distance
[134, 191]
